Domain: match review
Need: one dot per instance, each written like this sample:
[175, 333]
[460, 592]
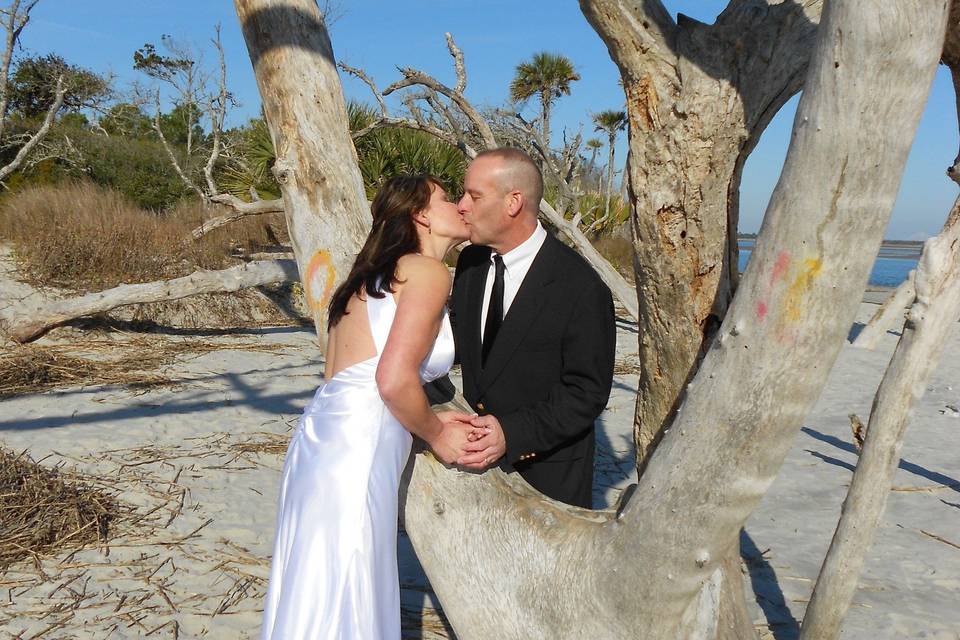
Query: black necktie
[494, 309]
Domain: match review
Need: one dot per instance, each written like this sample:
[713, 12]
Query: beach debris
[44, 510]
[859, 431]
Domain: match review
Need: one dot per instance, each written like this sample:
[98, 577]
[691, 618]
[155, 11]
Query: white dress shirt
[516, 263]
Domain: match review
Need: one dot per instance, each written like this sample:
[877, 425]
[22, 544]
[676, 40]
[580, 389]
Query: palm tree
[594, 145]
[382, 154]
[612, 122]
[547, 76]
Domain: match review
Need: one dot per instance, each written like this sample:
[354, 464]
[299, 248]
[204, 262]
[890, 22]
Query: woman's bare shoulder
[424, 271]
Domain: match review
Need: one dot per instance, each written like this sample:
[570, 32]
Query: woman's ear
[421, 219]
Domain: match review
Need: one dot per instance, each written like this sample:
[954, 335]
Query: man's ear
[514, 203]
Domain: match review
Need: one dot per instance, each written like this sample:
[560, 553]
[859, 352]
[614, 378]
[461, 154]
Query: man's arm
[573, 403]
[581, 394]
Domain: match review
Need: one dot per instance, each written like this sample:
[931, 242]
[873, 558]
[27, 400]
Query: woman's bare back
[350, 341]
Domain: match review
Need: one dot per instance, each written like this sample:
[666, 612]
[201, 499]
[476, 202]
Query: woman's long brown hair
[394, 234]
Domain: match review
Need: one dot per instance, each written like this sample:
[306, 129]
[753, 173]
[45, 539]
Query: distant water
[889, 270]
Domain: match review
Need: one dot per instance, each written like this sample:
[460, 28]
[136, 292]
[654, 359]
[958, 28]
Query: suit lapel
[473, 304]
[526, 306]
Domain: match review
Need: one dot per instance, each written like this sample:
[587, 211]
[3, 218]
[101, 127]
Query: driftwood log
[889, 314]
[31, 323]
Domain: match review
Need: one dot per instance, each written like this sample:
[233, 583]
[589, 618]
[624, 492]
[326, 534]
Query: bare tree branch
[240, 208]
[14, 22]
[173, 158]
[361, 75]
[34, 322]
[413, 77]
[218, 113]
[35, 139]
[457, 63]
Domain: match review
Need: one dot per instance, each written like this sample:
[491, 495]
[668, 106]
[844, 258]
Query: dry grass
[82, 237]
[43, 512]
[618, 251]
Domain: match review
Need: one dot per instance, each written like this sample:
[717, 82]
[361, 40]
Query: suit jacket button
[480, 406]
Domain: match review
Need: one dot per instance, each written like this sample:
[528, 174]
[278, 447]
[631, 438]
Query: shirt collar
[525, 251]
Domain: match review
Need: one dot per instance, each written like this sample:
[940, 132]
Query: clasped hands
[469, 441]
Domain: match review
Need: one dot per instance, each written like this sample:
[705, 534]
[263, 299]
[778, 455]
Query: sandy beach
[197, 459]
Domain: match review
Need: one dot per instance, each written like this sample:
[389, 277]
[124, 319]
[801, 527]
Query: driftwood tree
[934, 309]
[650, 568]
[325, 205]
[698, 98]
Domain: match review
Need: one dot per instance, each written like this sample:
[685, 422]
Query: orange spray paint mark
[318, 280]
[800, 286]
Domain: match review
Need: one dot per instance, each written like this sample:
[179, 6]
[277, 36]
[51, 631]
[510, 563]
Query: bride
[334, 570]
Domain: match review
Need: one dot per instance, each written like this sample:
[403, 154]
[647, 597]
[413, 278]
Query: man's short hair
[520, 173]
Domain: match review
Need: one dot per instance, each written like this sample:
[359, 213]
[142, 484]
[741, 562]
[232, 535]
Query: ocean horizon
[894, 262]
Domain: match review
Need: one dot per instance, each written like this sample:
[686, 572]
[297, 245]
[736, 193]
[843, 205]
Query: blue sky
[495, 35]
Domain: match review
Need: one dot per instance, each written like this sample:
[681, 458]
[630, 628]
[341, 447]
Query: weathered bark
[325, 205]
[31, 323]
[698, 97]
[637, 571]
[928, 326]
[890, 313]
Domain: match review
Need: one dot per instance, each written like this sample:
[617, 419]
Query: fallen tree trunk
[890, 313]
[928, 326]
[30, 324]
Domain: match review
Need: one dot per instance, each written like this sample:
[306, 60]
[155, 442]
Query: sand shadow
[939, 478]
[187, 402]
[766, 589]
[612, 465]
[855, 331]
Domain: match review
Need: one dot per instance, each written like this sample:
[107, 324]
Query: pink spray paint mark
[780, 268]
[761, 311]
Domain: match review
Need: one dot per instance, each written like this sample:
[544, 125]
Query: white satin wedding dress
[334, 570]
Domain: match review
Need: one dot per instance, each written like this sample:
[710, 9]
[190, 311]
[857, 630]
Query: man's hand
[449, 445]
[486, 450]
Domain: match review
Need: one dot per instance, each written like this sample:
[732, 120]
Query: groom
[534, 330]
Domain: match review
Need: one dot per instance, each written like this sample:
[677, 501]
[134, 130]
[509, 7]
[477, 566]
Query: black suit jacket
[548, 375]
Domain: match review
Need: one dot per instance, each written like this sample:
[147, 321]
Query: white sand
[181, 441]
